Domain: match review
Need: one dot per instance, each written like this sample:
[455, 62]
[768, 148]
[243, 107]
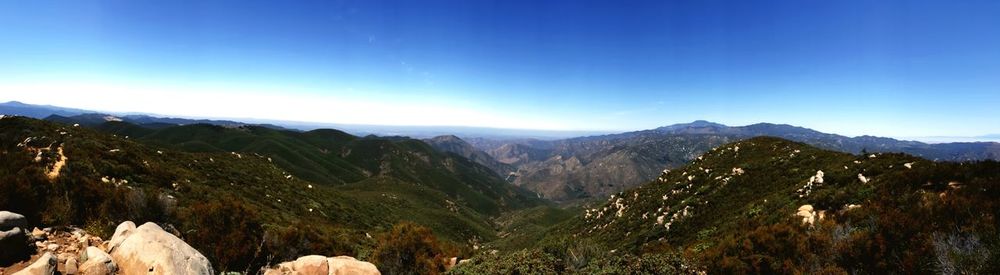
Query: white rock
[320, 265]
[96, 262]
[45, 265]
[148, 249]
[121, 233]
[344, 265]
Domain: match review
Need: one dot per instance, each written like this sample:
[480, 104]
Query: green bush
[227, 232]
[520, 262]
[409, 249]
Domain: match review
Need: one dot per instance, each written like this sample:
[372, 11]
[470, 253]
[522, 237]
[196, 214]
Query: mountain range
[562, 170]
[685, 198]
[767, 205]
[596, 166]
[152, 120]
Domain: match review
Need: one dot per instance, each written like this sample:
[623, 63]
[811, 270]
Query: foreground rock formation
[13, 238]
[150, 250]
[146, 249]
[321, 265]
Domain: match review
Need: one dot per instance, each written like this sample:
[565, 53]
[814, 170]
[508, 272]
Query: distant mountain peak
[447, 138]
[697, 124]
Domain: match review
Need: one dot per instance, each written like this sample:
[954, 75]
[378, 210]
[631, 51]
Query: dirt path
[54, 173]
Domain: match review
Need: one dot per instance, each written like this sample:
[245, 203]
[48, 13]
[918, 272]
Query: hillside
[57, 175]
[453, 144]
[327, 156]
[597, 166]
[768, 205]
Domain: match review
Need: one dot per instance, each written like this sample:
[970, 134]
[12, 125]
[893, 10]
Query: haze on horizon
[887, 68]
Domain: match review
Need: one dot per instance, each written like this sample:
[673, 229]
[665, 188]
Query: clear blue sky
[891, 68]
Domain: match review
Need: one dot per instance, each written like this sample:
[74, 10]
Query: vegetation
[733, 210]
[240, 209]
[409, 248]
[232, 194]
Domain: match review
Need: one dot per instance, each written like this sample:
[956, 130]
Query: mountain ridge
[595, 166]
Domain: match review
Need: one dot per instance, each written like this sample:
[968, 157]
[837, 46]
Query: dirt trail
[54, 173]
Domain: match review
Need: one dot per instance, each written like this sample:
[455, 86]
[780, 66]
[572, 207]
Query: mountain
[95, 119]
[248, 186]
[596, 166]
[327, 156]
[769, 205]
[453, 144]
[37, 111]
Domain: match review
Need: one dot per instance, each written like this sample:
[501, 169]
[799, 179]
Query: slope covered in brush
[767, 205]
[327, 156]
[240, 209]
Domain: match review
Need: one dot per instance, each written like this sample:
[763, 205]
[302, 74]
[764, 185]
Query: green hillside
[243, 208]
[333, 157]
[734, 210]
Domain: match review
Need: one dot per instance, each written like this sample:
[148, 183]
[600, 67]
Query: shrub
[226, 231]
[521, 262]
[409, 249]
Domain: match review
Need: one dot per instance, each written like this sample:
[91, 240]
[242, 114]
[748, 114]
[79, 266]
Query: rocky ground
[146, 249]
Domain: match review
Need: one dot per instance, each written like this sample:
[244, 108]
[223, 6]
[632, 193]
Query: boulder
[345, 265]
[121, 232]
[70, 267]
[148, 249]
[96, 262]
[807, 214]
[10, 220]
[313, 264]
[320, 265]
[39, 234]
[45, 265]
[14, 243]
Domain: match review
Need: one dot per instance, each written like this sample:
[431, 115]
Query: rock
[150, 250]
[52, 247]
[14, 246]
[9, 220]
[96, 262]
[45, 265]
[38, 234]
[320, 265]
[313, 264]
[70, 267]
[345, 265]
[121, 232]
[807, 214]
[450, 262]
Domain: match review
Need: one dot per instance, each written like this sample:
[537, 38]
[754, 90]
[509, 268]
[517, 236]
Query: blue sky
[890, 68]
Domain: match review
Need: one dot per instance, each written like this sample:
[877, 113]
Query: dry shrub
[226, 231]
[409, 249]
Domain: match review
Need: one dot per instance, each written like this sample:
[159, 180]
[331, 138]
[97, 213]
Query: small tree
[409, 249]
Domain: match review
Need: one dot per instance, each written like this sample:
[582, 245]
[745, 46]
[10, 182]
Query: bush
[645, 264]
[520, 262]
[409, 249]
[227, 232]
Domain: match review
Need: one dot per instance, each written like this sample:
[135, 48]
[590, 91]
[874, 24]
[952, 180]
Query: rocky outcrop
[46, 265]
[809, 215]
[14, 245]
[148, 249]
[96, 262]
[320, 265]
